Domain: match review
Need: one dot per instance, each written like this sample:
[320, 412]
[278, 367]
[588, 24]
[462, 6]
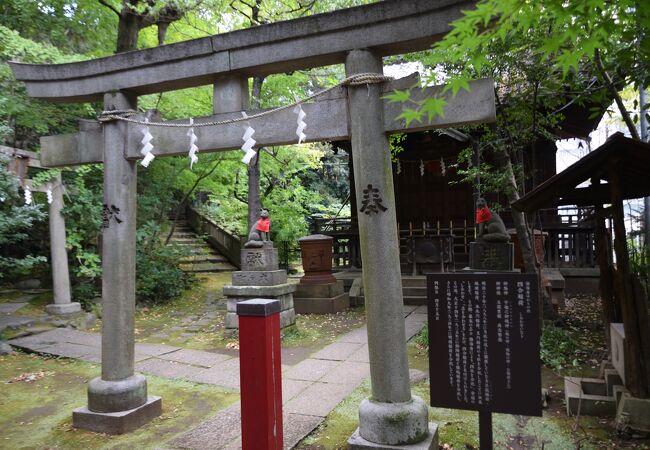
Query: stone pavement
[7, 309]
[35, 322]
[310, 389]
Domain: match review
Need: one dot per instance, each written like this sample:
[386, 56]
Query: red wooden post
[260, 375]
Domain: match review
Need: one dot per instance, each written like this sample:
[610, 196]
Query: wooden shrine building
[435, 210]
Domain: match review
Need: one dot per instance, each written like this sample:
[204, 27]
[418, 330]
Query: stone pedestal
[633, 414]
[117, 422]
[491, 256]
[63, 308]
[321, 298]
[260, 278]
[356, 442]
[318, 291]
[281, 292]
[316, 255]
[259, 259]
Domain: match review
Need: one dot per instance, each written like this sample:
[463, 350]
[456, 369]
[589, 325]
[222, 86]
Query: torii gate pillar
[117, 400]
[392, 416]
[59, 257]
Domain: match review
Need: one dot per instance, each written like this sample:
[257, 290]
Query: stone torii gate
[21, 160]
[357, 37]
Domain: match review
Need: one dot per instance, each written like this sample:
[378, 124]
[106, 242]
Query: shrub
[158, 277]
[85, 292]
[558, 348]
[422, 338]
[16, 227]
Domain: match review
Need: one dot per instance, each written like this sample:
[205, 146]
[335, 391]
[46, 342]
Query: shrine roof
[632, 160]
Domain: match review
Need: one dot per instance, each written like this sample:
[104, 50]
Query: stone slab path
[310, 389]
[7, 309]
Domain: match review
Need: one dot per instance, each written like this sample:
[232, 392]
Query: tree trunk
[127, 31]
[530, 265]
[609, 83]
[635, 316]
[162, 32]
[523, 234]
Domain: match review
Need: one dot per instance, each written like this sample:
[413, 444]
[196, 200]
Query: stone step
[207, 267]
[198, 250]
[553, 278]
[201, 256]
[414, 300]
[183, 234]
[414, 281]
[212, 258]
[183, 229]
[189, 241]
[419, 291]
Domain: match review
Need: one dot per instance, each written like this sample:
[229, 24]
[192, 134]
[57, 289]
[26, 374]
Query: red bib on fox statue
[264, 224]
[483, 215]
[490, 226]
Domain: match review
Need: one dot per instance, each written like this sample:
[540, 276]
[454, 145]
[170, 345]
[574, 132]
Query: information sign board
[484, 342]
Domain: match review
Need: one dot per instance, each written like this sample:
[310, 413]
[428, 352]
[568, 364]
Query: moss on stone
[36, 306]
[38, 414]
[320, 330]
[163, 324]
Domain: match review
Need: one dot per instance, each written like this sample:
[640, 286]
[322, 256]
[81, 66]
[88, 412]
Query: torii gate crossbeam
[387, 28]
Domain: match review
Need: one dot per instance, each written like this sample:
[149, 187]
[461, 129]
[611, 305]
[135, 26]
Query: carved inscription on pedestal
[254, 259]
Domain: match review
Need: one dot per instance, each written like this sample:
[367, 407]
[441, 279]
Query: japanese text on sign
[484, 342]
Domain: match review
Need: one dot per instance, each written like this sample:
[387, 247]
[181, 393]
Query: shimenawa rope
[353, 80]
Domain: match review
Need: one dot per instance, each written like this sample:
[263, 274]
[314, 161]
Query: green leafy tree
[63, 24]
[16, 219]
[23, 119]
[543, 56]
[601, 37]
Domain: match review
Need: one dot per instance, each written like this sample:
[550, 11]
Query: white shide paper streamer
[249, 142]
[301, 123]
[193, 148]
[147, 147]
[28, 195]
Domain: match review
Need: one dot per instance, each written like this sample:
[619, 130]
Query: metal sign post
[485, 438]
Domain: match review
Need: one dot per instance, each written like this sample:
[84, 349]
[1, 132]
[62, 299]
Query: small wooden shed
[617, 170]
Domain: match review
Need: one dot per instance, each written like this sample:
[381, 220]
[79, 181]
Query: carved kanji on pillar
[109, 213]
[371, 202]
